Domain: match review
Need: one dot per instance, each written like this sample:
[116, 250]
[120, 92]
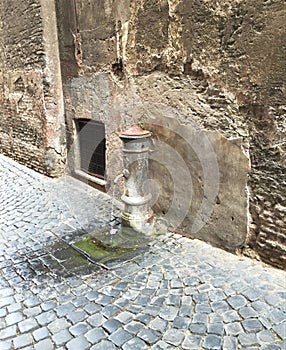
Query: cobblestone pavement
[175, 293]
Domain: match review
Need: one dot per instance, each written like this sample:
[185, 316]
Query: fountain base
[116, 241]
[120, 237]
[139, 223]
[110, 243]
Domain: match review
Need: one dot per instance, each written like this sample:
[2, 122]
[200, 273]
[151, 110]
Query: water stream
[113, 220]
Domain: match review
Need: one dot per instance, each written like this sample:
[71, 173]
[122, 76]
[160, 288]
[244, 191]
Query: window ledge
[94, 179]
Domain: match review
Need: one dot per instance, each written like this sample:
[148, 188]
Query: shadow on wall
[199, 179]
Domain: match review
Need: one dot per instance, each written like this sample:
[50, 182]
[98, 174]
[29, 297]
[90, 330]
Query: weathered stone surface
[32, 116]
[215, 178]
[213, 66]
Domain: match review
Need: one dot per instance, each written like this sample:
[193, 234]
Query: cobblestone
[27, 325]
[78, 329]
[230, 316]
[212, 342]
[78, 343]
[112, 325]
[95, 335]
[119, 337]
[51, 297]
[40, 333]
[230, 343]
[5, 345]
[45, 317]
[174, 336]
[265, 336]
[248, 339]
[181, 322]
[252, 325]
[135, 344]
[215, 328]
[234, 328]
[237, 301]
[103, 345]
[46, 344]
[13, 318]
[192, 342]
[61, 337]
[150, 336]
[22, 341]
[169, 313]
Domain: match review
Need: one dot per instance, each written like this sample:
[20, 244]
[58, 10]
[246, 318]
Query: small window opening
[92, 146]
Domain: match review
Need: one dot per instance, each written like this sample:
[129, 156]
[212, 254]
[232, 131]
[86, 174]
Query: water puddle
[110, 243]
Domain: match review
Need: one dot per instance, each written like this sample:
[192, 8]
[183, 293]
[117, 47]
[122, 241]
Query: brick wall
[30, 122]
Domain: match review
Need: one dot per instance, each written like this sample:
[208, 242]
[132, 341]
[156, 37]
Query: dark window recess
[92, 147]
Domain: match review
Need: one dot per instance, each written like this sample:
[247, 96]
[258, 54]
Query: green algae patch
[110, 244]
[89, 246]
[100, 251]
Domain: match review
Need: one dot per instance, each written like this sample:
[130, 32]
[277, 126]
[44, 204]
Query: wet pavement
[175, 293]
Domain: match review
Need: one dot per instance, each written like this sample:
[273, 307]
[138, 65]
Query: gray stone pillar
[137, 213]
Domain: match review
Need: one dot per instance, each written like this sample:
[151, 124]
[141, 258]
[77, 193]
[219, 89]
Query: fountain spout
[137, 213]
[118, 177]
[124, 174]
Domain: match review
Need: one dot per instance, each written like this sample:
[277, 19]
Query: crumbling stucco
[32, 114]
[213, 67]
[216, 65]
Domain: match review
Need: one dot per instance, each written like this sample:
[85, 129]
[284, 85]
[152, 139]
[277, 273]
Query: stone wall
[186, 69]
[32, 117]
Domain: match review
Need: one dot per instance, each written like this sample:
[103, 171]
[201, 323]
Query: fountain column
[137, 213]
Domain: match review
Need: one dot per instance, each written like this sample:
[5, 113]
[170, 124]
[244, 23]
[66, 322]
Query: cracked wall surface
[31, 112]
[204, 68]
[215, 67]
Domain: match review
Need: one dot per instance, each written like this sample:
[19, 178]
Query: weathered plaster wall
[212, 67]
[260, 84]
[31, 100]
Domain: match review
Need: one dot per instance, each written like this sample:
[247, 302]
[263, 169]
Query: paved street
[175, 293]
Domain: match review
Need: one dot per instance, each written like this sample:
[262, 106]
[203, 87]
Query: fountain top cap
[135, 131]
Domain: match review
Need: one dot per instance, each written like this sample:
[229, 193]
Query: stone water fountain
[137, 218]
[137, 213]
